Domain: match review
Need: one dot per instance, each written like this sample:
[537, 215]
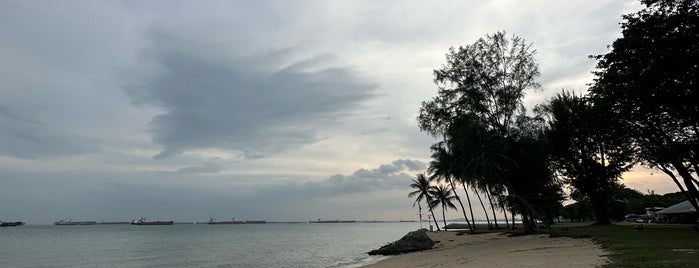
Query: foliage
[624, 201]
[486, 79]
[422, 188]
[648, 81]
[442, 167]
[479, 113]
[587, 149]
[533, 178]
[579, 211]
[442, 195]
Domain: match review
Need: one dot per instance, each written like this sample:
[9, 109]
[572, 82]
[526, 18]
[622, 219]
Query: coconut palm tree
[483, 152]
[441, 168]
[422, 190]
[442, 195]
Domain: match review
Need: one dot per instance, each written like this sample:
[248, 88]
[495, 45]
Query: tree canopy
[642, 107]
[649, 82]
[587, 148]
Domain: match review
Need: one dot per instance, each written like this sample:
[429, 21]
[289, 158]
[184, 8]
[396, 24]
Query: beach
[499, 250]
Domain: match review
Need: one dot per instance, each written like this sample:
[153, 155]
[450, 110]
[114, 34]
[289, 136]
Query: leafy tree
[579, 211]
[533, 178]
[588, 149]
[478, 110]
[649, 82]
[486, 79]
[422, 192]
[442, 195]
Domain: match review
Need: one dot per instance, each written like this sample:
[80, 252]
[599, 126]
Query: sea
[198, 245]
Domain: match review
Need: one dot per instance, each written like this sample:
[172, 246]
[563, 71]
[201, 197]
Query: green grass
[656, 245]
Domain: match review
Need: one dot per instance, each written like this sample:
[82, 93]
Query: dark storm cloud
[241, 104]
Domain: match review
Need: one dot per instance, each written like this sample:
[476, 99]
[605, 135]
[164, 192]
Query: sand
[499, 250]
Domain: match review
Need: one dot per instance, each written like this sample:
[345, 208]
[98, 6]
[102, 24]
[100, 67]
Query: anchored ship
[11, 224]
[142, 221]
[333, 221]
[71, 222]
[213, 221]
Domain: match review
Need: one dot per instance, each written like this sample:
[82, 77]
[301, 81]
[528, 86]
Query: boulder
[411, 242]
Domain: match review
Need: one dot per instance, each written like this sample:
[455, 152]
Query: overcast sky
[275, 110]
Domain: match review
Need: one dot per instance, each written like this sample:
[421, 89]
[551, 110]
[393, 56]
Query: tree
[537, 192]
[441, 168]
[422, 191]
[486, 79]
[579, 211]
[478, 104]
[649, 82]
[587, 149]
[442, 195]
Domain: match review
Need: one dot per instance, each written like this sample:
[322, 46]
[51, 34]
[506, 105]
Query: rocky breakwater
[411, 242]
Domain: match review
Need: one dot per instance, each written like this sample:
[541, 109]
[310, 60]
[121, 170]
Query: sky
[273, 110]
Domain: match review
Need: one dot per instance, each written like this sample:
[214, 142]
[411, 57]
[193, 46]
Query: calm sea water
[196, 245]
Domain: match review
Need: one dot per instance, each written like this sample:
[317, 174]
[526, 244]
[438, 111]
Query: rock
[411, 242]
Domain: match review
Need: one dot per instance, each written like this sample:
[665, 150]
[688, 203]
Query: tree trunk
[504, 211]
[495, 217]
[600, 207]
[419, 214]
[433, 217]
[485, 211]
[468, 199]
[677, 182]
[444, 217]
[453, 189]
[507, 221]
[528, 228]
[688, 182]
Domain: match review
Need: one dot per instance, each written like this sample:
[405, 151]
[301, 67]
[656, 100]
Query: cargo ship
[333, 221]
[113, 222]
[142, 221]
[11, 224]
[71, 222]
[213, 221]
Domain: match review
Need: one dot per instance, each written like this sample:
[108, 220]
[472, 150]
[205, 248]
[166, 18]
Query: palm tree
[483, 153]
[441, 168]
[422, 190]
[442, 195]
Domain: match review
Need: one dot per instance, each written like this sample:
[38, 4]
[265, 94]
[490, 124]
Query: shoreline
[499, 250]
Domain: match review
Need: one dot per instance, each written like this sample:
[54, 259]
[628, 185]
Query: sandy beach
[499, 250]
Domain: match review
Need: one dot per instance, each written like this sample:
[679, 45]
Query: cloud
[241, 104]
[29, 138]
[386, 177]
[99, 196]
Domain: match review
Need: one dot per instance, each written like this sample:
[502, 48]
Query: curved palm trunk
[469, 204]
[468, 199]
[485, 211]
[504, 210]
[453, 189]
[433, 217]
[507, 220]
[495, 218]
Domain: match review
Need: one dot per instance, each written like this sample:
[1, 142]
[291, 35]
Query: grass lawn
[656, 245]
